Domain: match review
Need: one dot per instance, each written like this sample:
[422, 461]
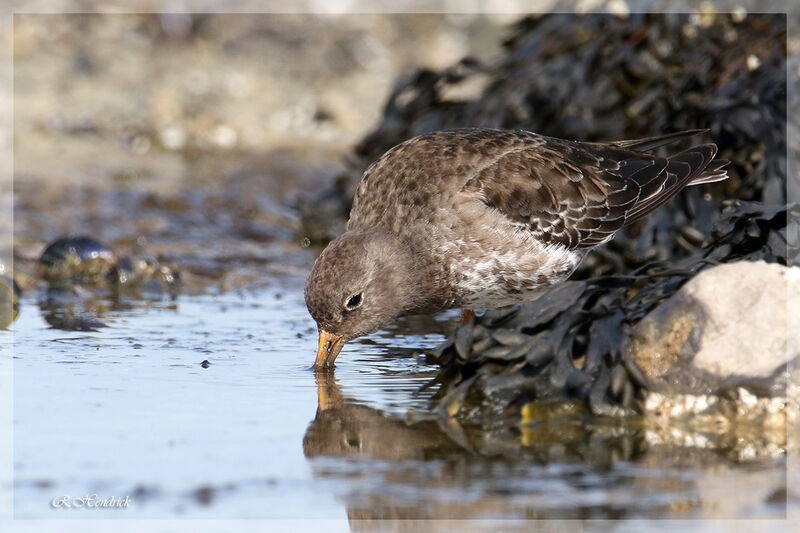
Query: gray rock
[729, 327]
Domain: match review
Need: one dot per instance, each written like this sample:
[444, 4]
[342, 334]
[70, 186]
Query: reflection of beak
[329, 347]
[328, 394]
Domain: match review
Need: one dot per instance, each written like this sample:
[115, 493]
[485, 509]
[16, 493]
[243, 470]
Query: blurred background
[160, 127]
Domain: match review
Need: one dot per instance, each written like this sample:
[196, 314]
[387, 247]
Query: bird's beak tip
[329, 347]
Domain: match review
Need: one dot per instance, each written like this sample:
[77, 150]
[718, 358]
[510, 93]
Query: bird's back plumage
[572, 193]
[514, 210]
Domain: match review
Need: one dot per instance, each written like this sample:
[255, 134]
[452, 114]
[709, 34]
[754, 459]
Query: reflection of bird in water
[436, 457]
[393, 469]
[479, 218]
[342, 428]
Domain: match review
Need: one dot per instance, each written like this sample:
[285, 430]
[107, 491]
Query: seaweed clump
[570, 344]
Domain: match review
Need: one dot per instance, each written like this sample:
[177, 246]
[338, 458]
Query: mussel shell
[81, 248]
[76, 259]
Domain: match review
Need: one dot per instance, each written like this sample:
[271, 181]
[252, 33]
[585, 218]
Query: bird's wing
[579, 194]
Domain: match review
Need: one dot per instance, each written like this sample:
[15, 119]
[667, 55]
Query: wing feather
[580, 194]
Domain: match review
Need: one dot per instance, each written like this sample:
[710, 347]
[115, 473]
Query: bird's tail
[693, 166]
[713, 173]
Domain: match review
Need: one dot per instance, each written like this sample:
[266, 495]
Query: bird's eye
[354, 301]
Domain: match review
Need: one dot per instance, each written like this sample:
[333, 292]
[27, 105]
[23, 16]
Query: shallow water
[131, 410]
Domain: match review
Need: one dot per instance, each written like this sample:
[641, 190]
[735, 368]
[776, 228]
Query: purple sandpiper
[476, 218]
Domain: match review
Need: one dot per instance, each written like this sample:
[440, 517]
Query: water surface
[205, 407]
[132, 409]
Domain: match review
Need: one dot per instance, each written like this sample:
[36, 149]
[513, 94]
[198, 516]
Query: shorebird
[477, 218]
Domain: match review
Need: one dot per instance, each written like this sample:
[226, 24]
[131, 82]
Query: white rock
[734, 324]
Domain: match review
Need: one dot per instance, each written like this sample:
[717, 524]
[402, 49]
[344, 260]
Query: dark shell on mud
[79, 248]
[76, 259]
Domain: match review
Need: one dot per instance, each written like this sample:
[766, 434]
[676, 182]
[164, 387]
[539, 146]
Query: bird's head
[361, 282]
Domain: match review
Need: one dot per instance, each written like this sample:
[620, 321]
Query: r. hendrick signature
[91, 501]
